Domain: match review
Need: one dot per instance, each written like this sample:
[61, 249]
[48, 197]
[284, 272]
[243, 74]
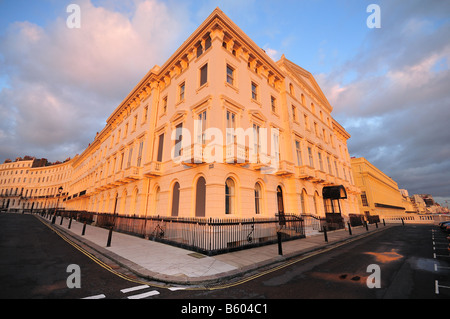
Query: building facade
[31, 183]
[220, 130]
[380, 194]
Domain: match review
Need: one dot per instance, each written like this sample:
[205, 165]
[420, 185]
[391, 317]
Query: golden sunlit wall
[380, 194]
[23, 186]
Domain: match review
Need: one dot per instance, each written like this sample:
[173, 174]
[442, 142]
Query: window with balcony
[311, 158]
[319, 156]
[336, 169]
[160, 147]
[256, 139]
[329, 165]
[201, 128]
[130, 155]
[298, 150]
[121, 161]
[276, 145]
[139, 159]
[231, 128]
[178, 141]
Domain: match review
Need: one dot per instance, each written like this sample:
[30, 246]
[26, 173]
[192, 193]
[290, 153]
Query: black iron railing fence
[210, 236]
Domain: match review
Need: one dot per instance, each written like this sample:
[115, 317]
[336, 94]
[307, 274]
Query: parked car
[447, 228]
[442, 225]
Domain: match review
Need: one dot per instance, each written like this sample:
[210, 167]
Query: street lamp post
[60, 189]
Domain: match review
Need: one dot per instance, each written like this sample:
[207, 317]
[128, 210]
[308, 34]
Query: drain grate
[197, 255]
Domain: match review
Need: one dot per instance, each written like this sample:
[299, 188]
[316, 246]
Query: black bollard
[403, 222]
[84, 229]
[61, 220]
[349, 229]
[53, 219]
[325, 233]
[376, 224]
[70, 222]
[108, 244]
[384, 222]
[367, 226]
[280, 248]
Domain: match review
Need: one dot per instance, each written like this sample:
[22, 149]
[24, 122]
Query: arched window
[134, 202]
[280, 200]
[258, 198]
[157, 200]
[316, 202]
[123, 201]
[229, 196]
[200, 198]
[175, 199]
[116, 198]
[303, 197]
[291, 89]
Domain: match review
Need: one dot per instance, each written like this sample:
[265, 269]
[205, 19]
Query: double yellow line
[95, 259]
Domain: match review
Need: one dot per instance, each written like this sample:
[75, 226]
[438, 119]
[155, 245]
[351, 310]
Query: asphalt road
[413, 262]
[34, 263]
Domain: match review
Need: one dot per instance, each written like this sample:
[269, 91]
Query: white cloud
[63, 83]
[272, 53]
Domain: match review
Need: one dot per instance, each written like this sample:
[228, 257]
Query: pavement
[160, 262]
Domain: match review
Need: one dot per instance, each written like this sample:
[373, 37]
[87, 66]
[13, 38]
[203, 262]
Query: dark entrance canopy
[334, 192]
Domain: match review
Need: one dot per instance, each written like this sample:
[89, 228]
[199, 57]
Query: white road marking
[144, 295]
[127, 290]
[96, 297]
[437, 286]
[176, 288]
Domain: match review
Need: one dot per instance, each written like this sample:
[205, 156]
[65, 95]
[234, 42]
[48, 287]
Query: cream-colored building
[30, 183]
[220, 130]
[380, 194]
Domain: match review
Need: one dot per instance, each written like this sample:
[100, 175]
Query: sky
[389, 86]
